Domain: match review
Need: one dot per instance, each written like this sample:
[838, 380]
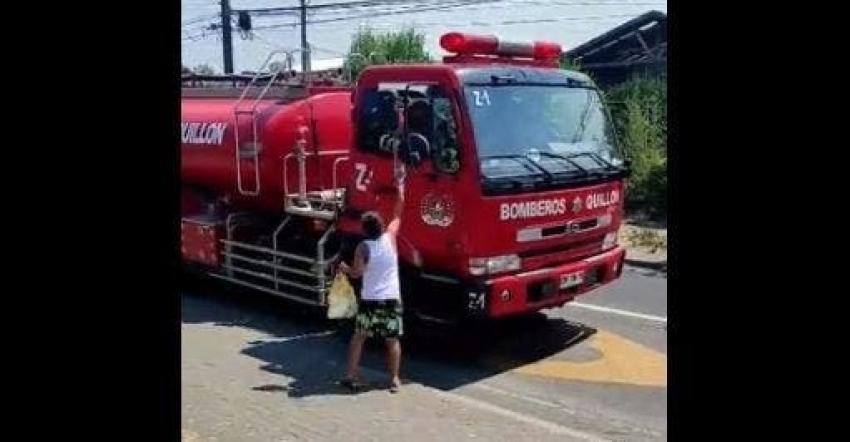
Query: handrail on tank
[305, 74]
[288, 156]
[335, 168]
[270, 81]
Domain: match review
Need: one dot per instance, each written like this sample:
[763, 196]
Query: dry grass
[648, 239]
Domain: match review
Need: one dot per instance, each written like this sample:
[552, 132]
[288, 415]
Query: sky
[568, 22]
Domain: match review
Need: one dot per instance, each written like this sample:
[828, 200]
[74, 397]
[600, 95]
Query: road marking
[189, 436]
[304, 336]
[617, 311]
[486, 406]
[523, 397]
[522, 417]
[621, 361]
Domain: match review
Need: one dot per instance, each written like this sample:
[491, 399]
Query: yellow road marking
[622, 362]
[190, 436]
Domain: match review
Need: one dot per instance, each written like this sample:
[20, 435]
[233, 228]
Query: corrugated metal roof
[641, 40]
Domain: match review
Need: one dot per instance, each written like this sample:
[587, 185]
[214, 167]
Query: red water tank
[208, 146]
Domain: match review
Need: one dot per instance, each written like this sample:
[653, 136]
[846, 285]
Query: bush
[570, 65]
[204, 69]
[367, 48]
[639, 110]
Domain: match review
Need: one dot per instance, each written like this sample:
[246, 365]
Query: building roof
[641, 41]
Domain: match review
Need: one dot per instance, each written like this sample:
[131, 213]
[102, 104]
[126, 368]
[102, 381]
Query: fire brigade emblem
[437, 210]
[577, 205]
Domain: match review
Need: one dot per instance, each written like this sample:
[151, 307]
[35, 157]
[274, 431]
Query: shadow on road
[310, 350]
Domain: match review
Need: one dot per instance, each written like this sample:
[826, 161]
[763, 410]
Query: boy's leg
[394, 360]
[355, 349]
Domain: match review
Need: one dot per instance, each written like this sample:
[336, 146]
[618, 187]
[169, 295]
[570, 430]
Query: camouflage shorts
[382, 319]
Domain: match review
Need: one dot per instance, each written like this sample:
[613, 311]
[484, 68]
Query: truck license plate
[571, 280]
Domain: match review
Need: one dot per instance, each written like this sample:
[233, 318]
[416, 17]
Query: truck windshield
[564, 131]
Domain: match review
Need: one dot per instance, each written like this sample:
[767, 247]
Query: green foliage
[368, 47]
[646, 238]
[570, 64]
[204, 69]
[639, 110]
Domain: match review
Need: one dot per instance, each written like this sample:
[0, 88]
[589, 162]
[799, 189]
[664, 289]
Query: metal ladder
[251, 148]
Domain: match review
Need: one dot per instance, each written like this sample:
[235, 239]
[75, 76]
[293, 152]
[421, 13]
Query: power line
[437, 6]
[198, 19]
[517, 21]
[397, 12]
[585, 19]
[326, 50]
[331, 6]
[380, 12]
[268, 43]
[581, 3]
[407, 7]
[336, 8]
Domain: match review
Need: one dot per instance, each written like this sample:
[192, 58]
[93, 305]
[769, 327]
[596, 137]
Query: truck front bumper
[526, 292]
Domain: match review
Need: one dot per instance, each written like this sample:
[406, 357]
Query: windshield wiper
[518, 157]
[561, 157]
[596, 157]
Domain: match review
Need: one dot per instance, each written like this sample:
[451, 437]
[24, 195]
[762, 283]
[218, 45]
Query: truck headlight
[495, 264]
[610, 240]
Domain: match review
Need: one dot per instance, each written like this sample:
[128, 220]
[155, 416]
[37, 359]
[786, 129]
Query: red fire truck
[514, 188]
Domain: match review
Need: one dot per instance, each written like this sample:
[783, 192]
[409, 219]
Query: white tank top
[380, 280]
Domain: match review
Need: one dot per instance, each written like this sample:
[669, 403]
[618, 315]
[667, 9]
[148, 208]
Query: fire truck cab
[514, 178]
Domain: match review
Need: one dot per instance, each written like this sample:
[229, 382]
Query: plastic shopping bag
[341, 301]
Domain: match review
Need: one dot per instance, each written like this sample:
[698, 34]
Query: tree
[368, 47]
[639, 110]
[570, 64]
[204, 69]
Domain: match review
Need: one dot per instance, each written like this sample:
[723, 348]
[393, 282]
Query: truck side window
[377, 121]
[444, 145]
[430, 124]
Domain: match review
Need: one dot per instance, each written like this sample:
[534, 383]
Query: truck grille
[536, 259]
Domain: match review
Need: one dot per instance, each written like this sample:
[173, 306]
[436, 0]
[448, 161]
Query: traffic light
[244, 21]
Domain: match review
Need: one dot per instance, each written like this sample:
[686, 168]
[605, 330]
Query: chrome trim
[268, 277]
[270, 265]
[270, 251]
[266, 289]
[535, 233]
[535, 272]
[439, 278]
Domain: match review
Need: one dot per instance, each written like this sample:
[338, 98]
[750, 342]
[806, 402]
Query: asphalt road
[257, 368]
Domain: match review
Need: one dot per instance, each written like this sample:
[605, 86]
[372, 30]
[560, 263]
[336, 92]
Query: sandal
[351, 384]
[395, 388]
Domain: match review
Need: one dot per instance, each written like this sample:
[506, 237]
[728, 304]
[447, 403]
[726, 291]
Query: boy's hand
[343, 268]
[399, 175]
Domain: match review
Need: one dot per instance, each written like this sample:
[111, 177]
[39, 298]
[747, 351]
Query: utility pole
[227, 36]
[305, 50]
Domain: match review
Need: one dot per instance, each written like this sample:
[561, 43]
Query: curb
[653, 265]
